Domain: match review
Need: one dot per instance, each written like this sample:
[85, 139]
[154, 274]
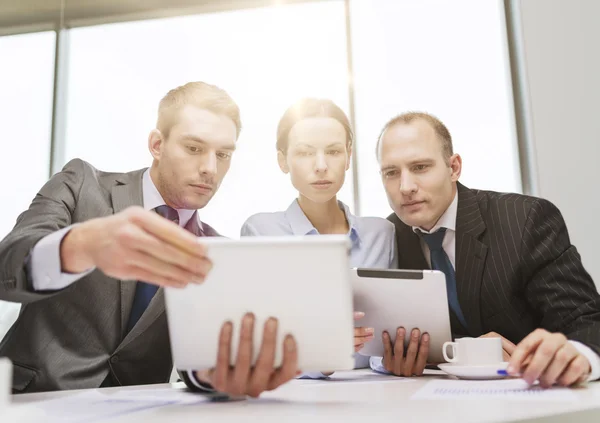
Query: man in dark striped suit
[510, 268]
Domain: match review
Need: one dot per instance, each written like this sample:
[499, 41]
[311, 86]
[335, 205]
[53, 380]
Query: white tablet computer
[302, 281]
[408, 298]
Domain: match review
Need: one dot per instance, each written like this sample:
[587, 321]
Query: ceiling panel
[31, 15]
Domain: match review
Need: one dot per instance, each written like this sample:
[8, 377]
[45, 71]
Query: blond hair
[308, 108]
[437, 125]
[199, 94]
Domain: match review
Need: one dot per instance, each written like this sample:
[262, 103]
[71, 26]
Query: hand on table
[549, 358]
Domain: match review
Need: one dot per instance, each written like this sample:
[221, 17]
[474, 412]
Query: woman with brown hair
[314, 146]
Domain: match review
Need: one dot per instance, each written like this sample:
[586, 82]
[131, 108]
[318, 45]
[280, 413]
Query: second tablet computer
[393, 298]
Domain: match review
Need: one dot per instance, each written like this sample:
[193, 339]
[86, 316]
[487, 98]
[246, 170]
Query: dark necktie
[145, 291]
[440, 261]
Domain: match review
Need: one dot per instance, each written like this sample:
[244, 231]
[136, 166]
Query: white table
[366, 397]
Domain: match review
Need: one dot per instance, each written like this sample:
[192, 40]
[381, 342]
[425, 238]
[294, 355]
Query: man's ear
[455, 167]
[282, 160]
[155, 143]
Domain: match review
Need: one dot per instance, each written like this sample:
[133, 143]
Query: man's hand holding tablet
[242, 378]
[409, 311]
[414, 361]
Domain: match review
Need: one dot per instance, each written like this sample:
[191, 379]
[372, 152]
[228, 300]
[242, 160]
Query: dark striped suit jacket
[516, 269]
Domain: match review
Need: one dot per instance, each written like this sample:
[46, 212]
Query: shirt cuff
[376, 364]
[44, 268]
[591, 356]
[205, 387]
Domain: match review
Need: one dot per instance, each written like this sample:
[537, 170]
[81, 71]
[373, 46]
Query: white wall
[562, 59]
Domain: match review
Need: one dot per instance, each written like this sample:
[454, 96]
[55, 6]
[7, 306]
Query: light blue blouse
[373, 238]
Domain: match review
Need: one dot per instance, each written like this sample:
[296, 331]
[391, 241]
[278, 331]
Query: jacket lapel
[157, 304]
[470, 257]
[126, 193]
[408, 245]
[154, 310]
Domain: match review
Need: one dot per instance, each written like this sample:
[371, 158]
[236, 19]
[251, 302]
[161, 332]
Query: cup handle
[444, 351]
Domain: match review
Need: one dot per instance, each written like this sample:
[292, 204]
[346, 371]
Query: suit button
[114, 359]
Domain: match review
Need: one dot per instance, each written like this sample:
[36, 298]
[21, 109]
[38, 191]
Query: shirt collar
[448, 219]
[153, 199]
[301, 225]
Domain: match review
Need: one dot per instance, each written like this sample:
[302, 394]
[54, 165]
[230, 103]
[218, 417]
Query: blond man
[88, 257]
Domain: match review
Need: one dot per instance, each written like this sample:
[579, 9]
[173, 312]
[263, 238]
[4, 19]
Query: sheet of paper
[170, 395]
[362, 376]
[509, 389]
[97, 406]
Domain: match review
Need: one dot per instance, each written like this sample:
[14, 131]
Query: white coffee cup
[474, 351]
[5, 382]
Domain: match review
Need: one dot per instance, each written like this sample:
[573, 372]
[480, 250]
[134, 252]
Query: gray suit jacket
[75, 337]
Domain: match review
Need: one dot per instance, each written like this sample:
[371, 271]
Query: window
[265, 58]
[446, 58]
[26, 86]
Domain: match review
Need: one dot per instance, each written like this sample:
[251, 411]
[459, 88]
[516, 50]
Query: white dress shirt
[448, 221]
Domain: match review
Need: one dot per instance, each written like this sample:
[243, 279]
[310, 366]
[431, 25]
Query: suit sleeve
[557, 285]
[51, 210]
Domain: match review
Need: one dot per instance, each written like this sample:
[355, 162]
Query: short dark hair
[437, 125]
[309, 108]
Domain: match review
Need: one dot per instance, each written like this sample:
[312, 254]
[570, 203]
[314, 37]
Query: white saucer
[477, 372]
